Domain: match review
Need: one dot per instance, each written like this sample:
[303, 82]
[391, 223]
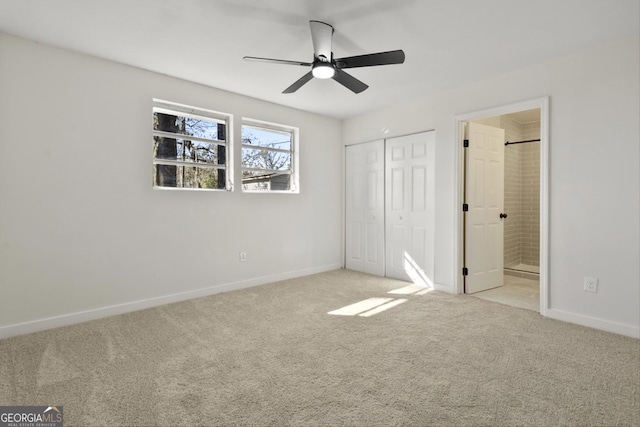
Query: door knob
[503, 215]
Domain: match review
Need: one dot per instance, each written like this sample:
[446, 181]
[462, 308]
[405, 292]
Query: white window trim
[295, 165]
[169, 107]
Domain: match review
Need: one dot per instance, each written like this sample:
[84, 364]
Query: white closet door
[485, 197]
[409, 208]
[365, 208]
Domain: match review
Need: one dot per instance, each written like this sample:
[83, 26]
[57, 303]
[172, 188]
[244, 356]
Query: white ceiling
[447, 42]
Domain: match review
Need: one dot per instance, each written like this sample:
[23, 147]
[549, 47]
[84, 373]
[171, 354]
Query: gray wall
[594, 106]
[82, 232]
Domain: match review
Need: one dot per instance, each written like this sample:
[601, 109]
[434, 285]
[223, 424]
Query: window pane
[265, 181]
[264, 159]
[189, 151]
[266, 138]
[188, 177]
[186, 125]
[268, 159]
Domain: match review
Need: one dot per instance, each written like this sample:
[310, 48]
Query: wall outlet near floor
[243, 256]
[591, 284]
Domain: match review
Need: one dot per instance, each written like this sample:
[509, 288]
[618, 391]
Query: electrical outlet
[591, 284]
[243, 256]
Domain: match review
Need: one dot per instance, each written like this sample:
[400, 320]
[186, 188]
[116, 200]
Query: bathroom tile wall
[530, 196]
[512, 188]
[521, 194]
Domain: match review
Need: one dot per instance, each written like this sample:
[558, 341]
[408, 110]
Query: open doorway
[503, 228]
[517, 211]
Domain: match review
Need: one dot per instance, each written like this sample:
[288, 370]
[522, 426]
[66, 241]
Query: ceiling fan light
[323, 70]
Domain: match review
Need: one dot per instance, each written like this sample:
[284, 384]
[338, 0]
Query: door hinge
[465, 271]
[465, 143]
[465, 207]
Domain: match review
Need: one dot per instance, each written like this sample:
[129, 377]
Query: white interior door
[365, 208]
[485, 198]
[409, 210]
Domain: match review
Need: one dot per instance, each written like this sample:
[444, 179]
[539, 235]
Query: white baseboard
[592, 322]
[443, 288]
[85, 316]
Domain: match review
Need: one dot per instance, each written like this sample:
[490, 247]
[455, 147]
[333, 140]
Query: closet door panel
[410, 208]
[365, 208]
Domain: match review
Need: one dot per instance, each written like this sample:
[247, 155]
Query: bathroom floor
[516, 291]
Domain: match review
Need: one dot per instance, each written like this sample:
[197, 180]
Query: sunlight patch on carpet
[368, 307]
[360, 307]
[383, 307]
[414, 289]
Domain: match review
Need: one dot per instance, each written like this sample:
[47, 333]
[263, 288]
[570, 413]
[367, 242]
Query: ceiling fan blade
[348, 81]
[299, 83]
[321, 34]
[276, 61]
[371, 59]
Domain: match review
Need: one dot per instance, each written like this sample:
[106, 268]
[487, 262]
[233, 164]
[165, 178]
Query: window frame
[173, 108]
[294, 132]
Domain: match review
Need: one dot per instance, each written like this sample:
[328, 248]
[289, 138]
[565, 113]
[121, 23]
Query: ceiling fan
[324, 66]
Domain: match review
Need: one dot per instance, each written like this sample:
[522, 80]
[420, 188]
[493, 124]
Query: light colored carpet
[271, 355]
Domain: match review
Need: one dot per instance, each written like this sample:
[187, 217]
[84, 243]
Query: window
[269, 157]
[190, 148]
